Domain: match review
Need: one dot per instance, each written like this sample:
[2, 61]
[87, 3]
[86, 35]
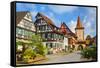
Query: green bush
[37, 43]
[89, 52]
[28, 54]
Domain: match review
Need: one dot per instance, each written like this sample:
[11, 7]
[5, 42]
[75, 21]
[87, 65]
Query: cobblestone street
[72, 57]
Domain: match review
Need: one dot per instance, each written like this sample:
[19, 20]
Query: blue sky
[67, 14]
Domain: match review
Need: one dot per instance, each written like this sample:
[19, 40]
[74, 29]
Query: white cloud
[25, 7]
[72, 25]
[62, 9]
[51, 16]
[89, 22]
[92, 14]
[34, 14]
[85, 19]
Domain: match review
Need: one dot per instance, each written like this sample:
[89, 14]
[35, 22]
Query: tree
[20, 43]
[88, 40]
[89, 53]
[18, 52]
[37, 45]
[34, 47]
[29, 54]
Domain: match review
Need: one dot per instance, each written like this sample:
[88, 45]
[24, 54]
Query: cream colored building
[79, 30]
[24, 28]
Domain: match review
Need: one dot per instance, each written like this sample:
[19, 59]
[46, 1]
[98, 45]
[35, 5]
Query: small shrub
[28, 54]
[89, 52]
[41, 49]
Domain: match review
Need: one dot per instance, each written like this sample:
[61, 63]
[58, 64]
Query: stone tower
[79, 30]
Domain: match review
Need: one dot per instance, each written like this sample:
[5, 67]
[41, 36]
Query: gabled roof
[20, 15]
[65, 27]
[79, 24]
[46, 18]
[66, 30]
[49, 22]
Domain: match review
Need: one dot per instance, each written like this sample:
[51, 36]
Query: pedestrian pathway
[72, 57]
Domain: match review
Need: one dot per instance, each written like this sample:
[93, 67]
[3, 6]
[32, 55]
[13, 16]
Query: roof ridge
[67, 27]
[20, 15]
[46, 18]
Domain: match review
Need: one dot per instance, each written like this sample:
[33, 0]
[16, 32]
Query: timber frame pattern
[63, 31]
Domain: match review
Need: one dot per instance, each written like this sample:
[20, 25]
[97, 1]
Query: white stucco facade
[65, 42]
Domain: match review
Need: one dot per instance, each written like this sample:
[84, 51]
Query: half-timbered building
[52, 37]
[24, 28]
[72, 38]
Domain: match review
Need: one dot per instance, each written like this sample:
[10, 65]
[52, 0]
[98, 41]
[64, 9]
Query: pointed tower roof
[79, 24]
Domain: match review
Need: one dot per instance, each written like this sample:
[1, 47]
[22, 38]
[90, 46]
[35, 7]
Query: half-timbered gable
[24, 25]
[46, 27]
[52, 37]
[70, 35]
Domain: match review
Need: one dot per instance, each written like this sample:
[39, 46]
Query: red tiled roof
[79, 24]
[64, 29]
